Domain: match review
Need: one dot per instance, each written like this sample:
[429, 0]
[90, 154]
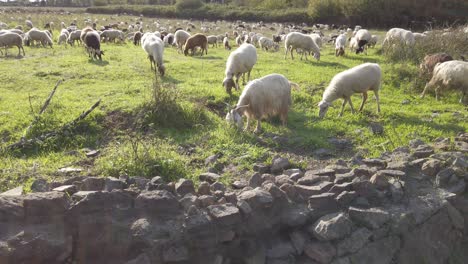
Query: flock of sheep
[271, 94]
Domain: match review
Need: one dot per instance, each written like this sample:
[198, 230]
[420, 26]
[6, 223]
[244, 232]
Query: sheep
[266, 43]
[84, 31]
[213, 40]
[197, 40]
[180, 37]
[276, 39]
[373, 41]
[42, 36]
[11, 39]
[63, 36]
[154, 47]
[358, 79]
[429, 62]
[362, 37]
[239, 62]
[295, 40]
[92, 41]
[137, 38]
[29, 23]
[111, 35]
[226, 43]
[419, 36]
[399, 35]
[239, 40]
[75, 36]
[168, 39]
[340, 44]
[353, 44]
[449, 75]
[317, 39]
[261, 98]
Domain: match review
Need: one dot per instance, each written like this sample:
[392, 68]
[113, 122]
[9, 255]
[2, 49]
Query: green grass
[172, 139]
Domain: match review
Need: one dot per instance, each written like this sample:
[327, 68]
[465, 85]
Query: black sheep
[93, 45]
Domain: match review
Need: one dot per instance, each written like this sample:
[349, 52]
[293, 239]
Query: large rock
[209, 177]
[371, 218]
[184, 186]
[225, 214]
[40, 207]
[157, 203]
[322, 252]
[378, 252]
[354, 242]
[112, 183]
[93, 184]
[431, 167]
[279, 164]
[40, 185]
[13, 192]
[331, 227]
[307, 191]
[257, 198]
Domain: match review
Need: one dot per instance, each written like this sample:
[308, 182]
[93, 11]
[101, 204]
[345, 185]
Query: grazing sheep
[213, 40]
[277, 39]
[168, 39]
[11, 39]
[359, 79]
[317, 39]
[362, 37]
[353, 44]
[92, 42]
[429, 62]
[240, 61]
[154, 47]
[296, 40]
[267, 44]
[84, 31]
[180, 37]
[137, 38]
[373, 41]
[226, 43]
[449, 75]
[111, 35]
[197, 40]
[399, 35]
[239, 40]
[63, 36]
[419, 36]
[42, 36]
[340, 44]
[75, 36]
[29, 23]
[262, 98]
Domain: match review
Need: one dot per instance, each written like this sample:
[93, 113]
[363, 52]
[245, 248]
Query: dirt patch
[118, 120]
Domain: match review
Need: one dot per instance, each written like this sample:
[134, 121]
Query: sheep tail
[295, 86]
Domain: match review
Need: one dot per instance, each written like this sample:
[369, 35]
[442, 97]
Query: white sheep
[261, 98]
[362, 37]
[154, 47]
[317, 39]
[226, 43]
[240, 61]
[399, 35]
[10, 39]
[373, 41]
[353, 44]
[63, 36]
[449, 75]
[340, 44]
[212, 39]
[267, 44]
[296, 40]
[29, 23]
[74, 36]
[111, 35]
[359, 79]
[168, 39]
[419, 36]
[180, 37]
[42, 36]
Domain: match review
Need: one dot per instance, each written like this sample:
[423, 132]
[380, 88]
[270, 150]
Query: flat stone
[158, 202]
[40, 185]
[112, 183]
[322, 172]
[93, 153]
[339, 188]
[257, 198]
[310, 180]
[279, 164]
[380, 180]
[344, 177]
[218, 186]
[13, 192]
[209, 177]
[346, 197]
[282, 179]
[290, 172]
[379, 163]
[204, 188]
[261, 168]
[225, 214]
[371, 218]
[431, 167]
[184, 186]
[296, 176]
[68, 170]
[331, 227]
[93, 184]
[306, 191]
[68, 189]
[239, 184]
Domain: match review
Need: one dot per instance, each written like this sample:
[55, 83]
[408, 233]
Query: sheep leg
[247, 125]
[351, 105]
[258, 129]
[428, 85]
[286, 54]
[437, 93]
[292, 58]
[376, 93]
[342, 106]
[364, 99]
[248, 76]
[237, 81]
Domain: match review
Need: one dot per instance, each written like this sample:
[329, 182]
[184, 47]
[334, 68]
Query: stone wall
[406, 207]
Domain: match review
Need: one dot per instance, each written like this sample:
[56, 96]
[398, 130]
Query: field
[148, 126]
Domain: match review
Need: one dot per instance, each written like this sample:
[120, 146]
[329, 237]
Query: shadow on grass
[98, 62]
[12, 57]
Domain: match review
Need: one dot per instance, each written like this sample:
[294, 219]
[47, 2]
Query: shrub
[188, 4]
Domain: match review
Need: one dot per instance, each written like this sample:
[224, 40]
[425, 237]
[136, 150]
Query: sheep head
[317, 56]
[228, 84]
[234, 116]
[161, 69]
[323, 108]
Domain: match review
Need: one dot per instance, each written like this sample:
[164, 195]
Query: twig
[43, 108]
[23, 143]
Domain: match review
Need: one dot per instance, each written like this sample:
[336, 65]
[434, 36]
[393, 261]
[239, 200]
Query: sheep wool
[359, 79]
[296, 40]
[10, 39]
[239, 62]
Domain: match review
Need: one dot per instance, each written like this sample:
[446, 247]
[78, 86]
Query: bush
[188, 4]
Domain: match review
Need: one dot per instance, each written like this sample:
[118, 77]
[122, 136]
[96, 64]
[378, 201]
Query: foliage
[188, 4]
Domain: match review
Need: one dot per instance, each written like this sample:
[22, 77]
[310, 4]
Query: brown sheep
[137, 38]
[429, 62]
[84, 31]
[197, 40]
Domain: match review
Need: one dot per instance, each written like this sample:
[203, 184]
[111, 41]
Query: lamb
[137, 38]
[358, 79]
[92, 42]
[42, 36]
[399, 35]
[197, 40]
[429, 62]
[261, 98]
[340, 44]
[449, 75]
[266, 43]
[296, 40]
[63, 36]
[11, 39]
[226, 43]
[154, 47]
[213, 40]
[75, 36]
[362, 37]
[180, 37]
[240, 61]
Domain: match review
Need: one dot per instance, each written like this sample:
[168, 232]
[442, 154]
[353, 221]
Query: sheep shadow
[170, 79]
[328, 64]
[12, 57]
[98, 62]
[207, 57]
[363, 58]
